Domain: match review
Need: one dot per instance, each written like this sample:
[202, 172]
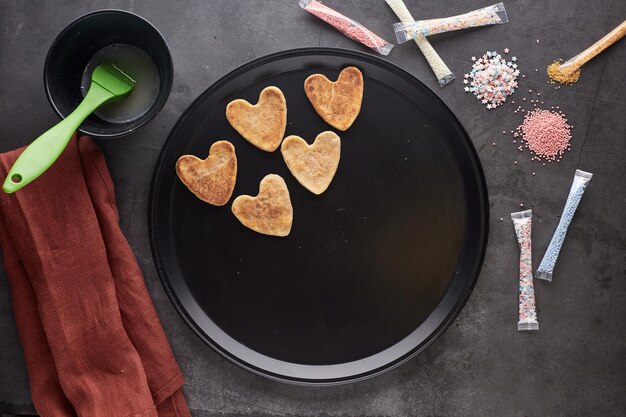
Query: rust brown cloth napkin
[93, 343]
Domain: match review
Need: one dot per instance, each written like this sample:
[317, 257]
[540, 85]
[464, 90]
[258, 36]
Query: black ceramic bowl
[75, 46]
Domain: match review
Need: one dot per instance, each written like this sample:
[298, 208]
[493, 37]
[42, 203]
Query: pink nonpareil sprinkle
[546, 133]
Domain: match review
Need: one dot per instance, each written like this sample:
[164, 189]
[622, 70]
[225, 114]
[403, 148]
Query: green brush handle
[42, 153]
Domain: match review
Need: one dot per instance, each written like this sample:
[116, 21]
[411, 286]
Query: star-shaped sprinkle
[506, 50]
[491, 79]
[514, 58]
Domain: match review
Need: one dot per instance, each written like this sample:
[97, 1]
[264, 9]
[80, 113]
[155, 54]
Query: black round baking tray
[374, 269]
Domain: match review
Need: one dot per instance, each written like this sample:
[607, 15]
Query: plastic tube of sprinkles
[441, 70]
[579, 185]
[351, 28]
[490, 15]
[522, 221]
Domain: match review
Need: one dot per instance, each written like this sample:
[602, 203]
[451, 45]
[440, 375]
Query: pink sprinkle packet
[351, 28]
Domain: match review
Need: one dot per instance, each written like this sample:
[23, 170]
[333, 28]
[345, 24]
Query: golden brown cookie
[339, 102]
[262, 124]
[270, 212]
[314, 165]
[211, 179]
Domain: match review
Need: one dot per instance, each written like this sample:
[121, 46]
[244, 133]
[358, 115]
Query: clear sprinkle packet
[522, 221]
[579, 185]
[441, 70]
[490, 15]
[351, 28]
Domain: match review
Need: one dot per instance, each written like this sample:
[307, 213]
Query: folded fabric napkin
[92, 341]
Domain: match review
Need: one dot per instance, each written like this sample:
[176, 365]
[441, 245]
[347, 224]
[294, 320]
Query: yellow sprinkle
[555, 74]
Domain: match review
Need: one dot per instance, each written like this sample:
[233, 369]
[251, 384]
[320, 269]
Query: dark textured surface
[574, 365]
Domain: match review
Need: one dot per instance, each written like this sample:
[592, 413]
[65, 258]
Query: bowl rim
[70, 26]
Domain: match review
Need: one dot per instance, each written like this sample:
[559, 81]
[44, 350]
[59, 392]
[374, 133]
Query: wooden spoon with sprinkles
[569, 71]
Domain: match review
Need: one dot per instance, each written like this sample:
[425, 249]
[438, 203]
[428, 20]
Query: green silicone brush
[108, 83]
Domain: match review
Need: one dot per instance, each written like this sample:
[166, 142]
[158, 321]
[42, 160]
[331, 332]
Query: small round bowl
[75, 46]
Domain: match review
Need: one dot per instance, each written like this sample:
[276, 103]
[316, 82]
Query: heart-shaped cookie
[211, 179]
[339, 102]
[270, 212]
[314, 165]
[262, 124]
